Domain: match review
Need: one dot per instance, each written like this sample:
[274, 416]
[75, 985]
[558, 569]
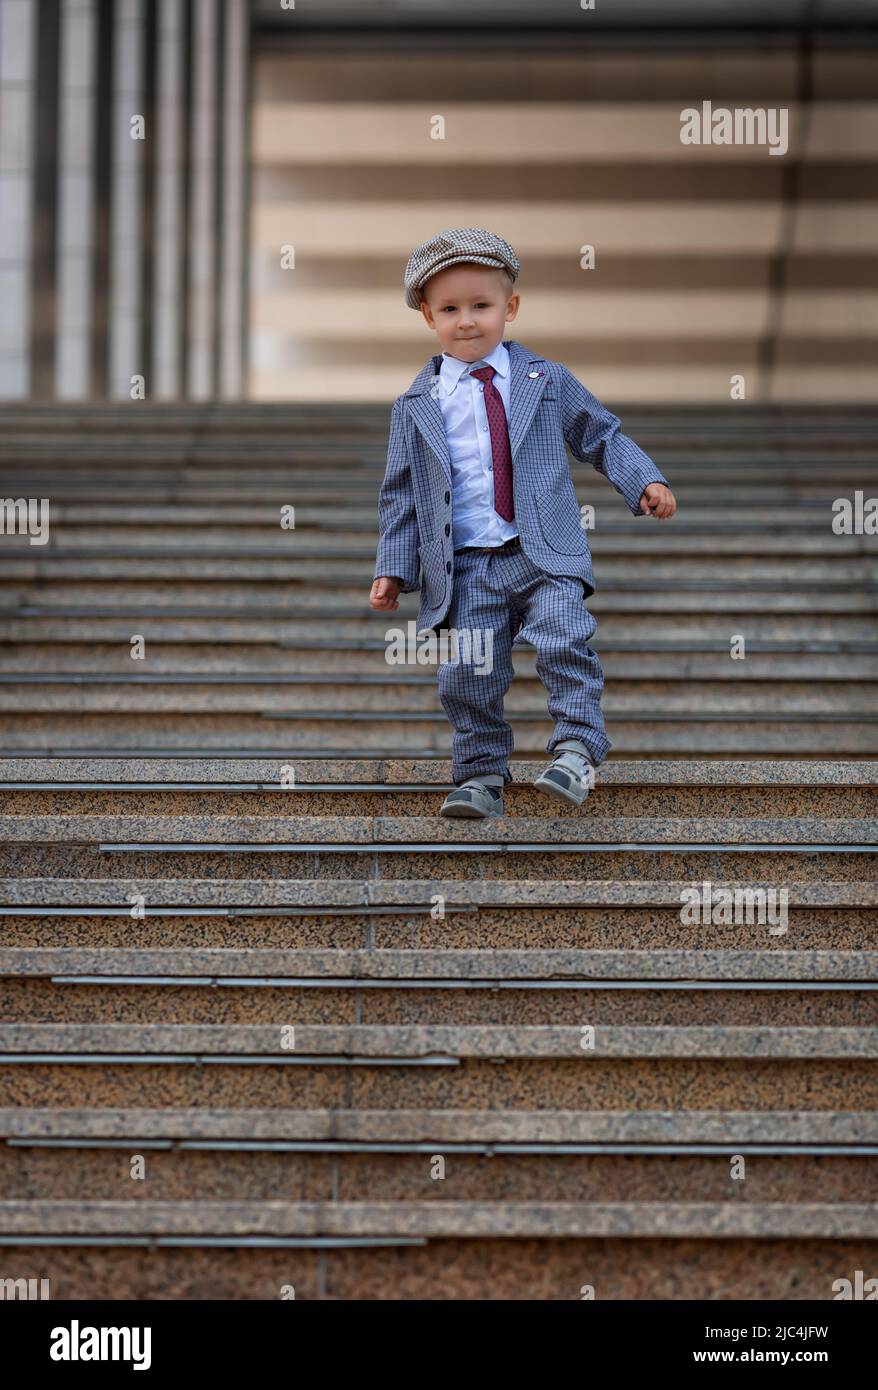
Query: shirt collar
[453, 369]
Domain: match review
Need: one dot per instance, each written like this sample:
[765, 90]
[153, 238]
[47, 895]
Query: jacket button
[448, 497]
[447, 529]
[447, 566]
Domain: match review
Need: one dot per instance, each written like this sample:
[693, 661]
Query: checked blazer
[549, 409]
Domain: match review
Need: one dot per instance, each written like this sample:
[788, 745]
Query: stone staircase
[368, 1053]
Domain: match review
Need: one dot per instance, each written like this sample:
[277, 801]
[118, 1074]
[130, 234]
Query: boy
[478, 490]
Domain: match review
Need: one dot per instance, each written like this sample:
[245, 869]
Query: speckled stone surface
[339, 891]
[687, 733]
[474, 1083]
[448, 1269]
[448, 1218]
[608, 800]
[29, 1174]
[436, 1041]
[266, 772]
[481, 866]
[410, 831]
[463, 928]
[527, 965]
[448, 1126]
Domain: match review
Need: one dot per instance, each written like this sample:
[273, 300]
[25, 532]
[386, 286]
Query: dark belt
[514, 544]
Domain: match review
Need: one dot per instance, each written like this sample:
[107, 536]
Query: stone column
[76, 121]
[17, 107]
[126, 185]
[233, 272]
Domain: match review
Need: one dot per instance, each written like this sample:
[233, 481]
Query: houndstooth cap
[451, 248]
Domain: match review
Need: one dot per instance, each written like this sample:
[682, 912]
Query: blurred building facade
[216, 199]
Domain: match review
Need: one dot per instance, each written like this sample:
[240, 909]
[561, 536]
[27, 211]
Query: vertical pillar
[126, 195]
[168, 317]
[75, 254]
[18, 61]
[232, 297]
[203, 258]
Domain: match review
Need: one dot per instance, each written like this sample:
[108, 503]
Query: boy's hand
[658, 500]
[384, 593]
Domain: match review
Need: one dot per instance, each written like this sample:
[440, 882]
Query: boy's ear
[425, 310]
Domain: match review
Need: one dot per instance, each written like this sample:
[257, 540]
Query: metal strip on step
[487, 1149]
[236, 1242]
[374, 982]
[460, 847]
[231, 1059]
[372, 910]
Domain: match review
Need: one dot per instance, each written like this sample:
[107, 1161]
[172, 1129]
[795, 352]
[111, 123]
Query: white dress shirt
[462, 401]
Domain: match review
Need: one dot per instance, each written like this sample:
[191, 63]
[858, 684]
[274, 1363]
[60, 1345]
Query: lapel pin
[533, 374]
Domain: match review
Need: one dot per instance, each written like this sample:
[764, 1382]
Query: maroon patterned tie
[500, 451]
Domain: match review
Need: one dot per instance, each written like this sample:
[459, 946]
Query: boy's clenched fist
[658, 500]
[384, 593]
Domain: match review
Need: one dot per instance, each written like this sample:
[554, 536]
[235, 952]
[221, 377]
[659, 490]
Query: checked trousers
[504, 594]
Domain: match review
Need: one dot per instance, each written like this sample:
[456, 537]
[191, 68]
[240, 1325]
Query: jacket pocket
[559, 521]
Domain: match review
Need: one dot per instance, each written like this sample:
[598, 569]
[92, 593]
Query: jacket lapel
[524, 394]
[524, 397]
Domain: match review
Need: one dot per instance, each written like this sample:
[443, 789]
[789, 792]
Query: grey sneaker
[473, 800]
[570, 777]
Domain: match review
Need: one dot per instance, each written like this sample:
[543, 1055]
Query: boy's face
[467, 306]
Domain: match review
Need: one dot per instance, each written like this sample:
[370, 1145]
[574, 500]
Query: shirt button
[485, 428]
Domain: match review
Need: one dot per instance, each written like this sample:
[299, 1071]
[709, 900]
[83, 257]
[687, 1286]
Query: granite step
[231, 1223]
[346, 595]
[615, 536]
[811, 888]
[189, 639]
[406, 694]
[396, 1268]
[812, 1132]
[84, 505]
[437, 1066]
[156, 993]
[265, 800]
[52, 661]
[720, 736]
[90, 1171]
[348, 1155]
[838, 926]
[310, 786]
[414, 833]
[480, 861]
[429, 1045]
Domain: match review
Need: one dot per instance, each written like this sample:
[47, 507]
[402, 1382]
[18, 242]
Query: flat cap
[452, 248]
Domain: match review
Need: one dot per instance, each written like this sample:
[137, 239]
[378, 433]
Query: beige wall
[711, 260]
